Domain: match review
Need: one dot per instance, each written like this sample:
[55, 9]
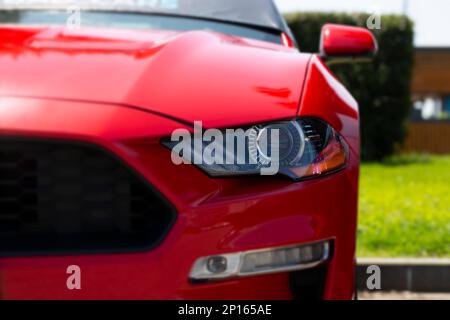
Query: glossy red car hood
[198, 75]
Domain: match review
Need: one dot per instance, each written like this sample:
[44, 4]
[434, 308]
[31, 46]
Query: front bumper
[214, 216]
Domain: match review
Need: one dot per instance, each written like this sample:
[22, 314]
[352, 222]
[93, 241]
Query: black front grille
[59, 197]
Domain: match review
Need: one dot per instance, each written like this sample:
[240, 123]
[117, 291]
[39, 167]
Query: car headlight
[299, 149]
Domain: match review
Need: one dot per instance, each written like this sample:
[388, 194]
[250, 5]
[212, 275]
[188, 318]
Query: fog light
[264, 261]
[271, 260]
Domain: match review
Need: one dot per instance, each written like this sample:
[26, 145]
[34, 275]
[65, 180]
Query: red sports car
[98, 200]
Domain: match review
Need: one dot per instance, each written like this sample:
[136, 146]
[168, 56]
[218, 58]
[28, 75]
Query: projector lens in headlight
[298, 149]
[291, 143]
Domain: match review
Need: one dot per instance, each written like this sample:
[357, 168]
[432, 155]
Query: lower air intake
[63, 197]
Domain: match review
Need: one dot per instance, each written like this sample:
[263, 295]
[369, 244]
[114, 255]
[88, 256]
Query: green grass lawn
[404, 208]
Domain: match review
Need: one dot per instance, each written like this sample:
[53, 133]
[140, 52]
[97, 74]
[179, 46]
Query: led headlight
[298, 149]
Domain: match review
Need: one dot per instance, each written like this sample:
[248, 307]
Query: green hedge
[382, 88]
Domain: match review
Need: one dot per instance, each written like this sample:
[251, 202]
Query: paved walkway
[403, 296]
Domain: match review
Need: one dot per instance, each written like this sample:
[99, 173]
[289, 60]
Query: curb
[414, 275]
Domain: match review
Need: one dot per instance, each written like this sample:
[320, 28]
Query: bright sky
[431, 17]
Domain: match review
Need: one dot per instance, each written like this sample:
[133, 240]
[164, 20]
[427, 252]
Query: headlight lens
[299, 149]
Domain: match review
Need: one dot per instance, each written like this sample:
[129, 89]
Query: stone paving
[403, 296]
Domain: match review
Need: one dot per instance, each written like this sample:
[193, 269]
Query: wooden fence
[428, 137]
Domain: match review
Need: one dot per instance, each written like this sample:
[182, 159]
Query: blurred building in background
[429, 128]
[431, 84]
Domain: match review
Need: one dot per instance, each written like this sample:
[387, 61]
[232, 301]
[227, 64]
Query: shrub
[382, 88]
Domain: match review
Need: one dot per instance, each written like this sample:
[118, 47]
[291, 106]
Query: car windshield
[258, 19]
[256, 12]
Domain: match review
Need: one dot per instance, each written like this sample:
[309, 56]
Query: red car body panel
[157, 71]
[124, 91]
